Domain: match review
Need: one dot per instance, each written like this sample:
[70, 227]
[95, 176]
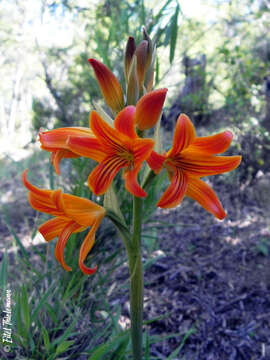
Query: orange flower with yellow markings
[189, 159]
[109, 85]
[121, 148]
[72, 215]
[55, 141]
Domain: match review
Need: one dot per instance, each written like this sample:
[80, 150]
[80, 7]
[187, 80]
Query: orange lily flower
[189, 159]
[55, 141]
[109, 85]
[121, 147]
[72, 215]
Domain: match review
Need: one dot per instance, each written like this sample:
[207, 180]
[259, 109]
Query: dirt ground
[213, 279]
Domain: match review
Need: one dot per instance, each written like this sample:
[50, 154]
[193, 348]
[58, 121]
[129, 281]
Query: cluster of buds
[139, 75]
[139, 67]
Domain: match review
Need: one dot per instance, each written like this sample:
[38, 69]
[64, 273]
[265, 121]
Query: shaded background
[209, 281]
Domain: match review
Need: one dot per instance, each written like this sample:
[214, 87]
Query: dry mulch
[213, 280]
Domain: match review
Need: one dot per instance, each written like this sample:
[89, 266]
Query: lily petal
[124, 122]
[102, 176]
[201, 165]
[142, 149]
[109, 85]
[87, 147]
[149, 108]
[109, 138]
[49, 203]
[53, 140]
[184, 135]
[39, 204]
[86, 247]
[155, 161]
[131, 182]
[73, 214]
[39, 199]
[199, 191]
[61, 243]
[53, 227]
[58, 155]
[215, 144]
[40, 192]
[176, 190]
[83, 211]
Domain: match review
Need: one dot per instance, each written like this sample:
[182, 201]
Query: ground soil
[213, 281]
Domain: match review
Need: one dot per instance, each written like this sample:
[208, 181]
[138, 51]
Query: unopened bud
[141, 53]
[132, 83]
[129, 52]
[109, 85]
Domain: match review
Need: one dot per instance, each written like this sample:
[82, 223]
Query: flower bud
[130, 50]
[132, 84]
[150, 48]
[109, 85]
[141, 53]
[149, 108]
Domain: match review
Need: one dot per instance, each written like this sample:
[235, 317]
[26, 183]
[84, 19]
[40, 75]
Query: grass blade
[174, 30]
[3, 272]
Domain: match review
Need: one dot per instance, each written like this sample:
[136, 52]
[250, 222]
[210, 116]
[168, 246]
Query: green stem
[136, 281]
[122, 228]
[133, 248]
[148, 181]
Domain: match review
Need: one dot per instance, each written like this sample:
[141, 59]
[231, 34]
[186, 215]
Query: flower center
[128, 156]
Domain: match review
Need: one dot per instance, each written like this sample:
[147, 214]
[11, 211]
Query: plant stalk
[136, 281]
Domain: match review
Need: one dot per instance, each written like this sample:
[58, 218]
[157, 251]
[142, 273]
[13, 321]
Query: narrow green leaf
[147, 347]
[25, 309]
[121, 350]
[66, 334]
[175, 353]
[104, 349]
[51, 312]
[64, 346]
[42, 301]
[52, 357]
[3, 271]
[19, 324]
[46, 339]
[174, 29]
[160, 13]
[31, 341]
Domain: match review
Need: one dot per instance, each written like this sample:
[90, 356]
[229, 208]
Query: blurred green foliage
[105, 35]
